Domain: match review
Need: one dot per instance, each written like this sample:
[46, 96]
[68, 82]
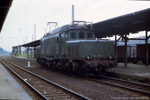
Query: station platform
[134, 71]
[9, 88]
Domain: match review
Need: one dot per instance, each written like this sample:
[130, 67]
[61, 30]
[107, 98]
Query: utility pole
[34, 32]
[32, 37]
[72, 14]
[26, 39]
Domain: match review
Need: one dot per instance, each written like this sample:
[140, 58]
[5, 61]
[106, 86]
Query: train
[131, 53]
[135, 53]
[141, 53]
[74, 48]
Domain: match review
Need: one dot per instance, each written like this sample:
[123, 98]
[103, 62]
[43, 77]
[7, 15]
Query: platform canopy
[32, 44]
[4, 8]
[129, 23]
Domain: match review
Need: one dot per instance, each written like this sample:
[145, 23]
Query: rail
[75, 94]
[129, 85]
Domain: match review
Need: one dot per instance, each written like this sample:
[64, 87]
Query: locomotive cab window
[73, 35]
[81, 35]
[90, 35]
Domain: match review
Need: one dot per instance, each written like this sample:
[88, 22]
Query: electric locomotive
[74, 48]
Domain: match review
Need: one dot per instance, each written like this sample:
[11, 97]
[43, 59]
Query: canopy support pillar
[146, 43]
[115, 48]
[125, 59]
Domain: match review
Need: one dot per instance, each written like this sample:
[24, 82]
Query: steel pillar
[115, 48]
[34, 52]
[28, 52]
[31, 52]
[146, 43]
[125, 59]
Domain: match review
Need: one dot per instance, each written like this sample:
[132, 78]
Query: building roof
[32, 44]
[4, 8]
[129, 23]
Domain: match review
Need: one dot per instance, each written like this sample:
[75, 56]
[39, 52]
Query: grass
[22, 55]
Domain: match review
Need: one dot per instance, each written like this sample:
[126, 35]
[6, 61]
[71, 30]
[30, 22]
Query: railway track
[129, 85]
[45, 88]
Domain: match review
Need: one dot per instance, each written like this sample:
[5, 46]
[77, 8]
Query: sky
[25, 14]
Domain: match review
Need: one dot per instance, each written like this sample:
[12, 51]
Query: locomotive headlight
[110, 57]
[88, 57]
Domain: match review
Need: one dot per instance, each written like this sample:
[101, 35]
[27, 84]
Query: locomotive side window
[66, 35]
[62, 35]
[73, 35]
[81, 35]
[57, 40]
[90, 35]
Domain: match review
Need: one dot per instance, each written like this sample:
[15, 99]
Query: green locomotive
[74, 48]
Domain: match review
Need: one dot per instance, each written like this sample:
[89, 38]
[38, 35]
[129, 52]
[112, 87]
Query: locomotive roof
[59, 29]
[82, 41]
[67, 27]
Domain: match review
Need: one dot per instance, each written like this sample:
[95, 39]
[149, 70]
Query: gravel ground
[93, 90]
[51, 91]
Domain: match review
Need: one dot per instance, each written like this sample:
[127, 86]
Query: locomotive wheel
[103, 71]
[60, 65]
[54, 65]
[64, 66]
[42, 62]
[48, 64]
[69, 67]
[73, 69]
[87, 71]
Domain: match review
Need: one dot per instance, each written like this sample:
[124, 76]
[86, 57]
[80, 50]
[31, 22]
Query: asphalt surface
[9, 88]
[135, 70]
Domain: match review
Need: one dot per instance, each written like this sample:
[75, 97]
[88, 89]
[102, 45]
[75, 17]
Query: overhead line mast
[72, 14]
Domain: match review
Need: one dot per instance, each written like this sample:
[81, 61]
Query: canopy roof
[4, 8]
[129, 23]
[32, 44]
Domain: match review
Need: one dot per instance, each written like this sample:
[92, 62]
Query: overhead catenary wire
[80, 9]
[68, 15]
